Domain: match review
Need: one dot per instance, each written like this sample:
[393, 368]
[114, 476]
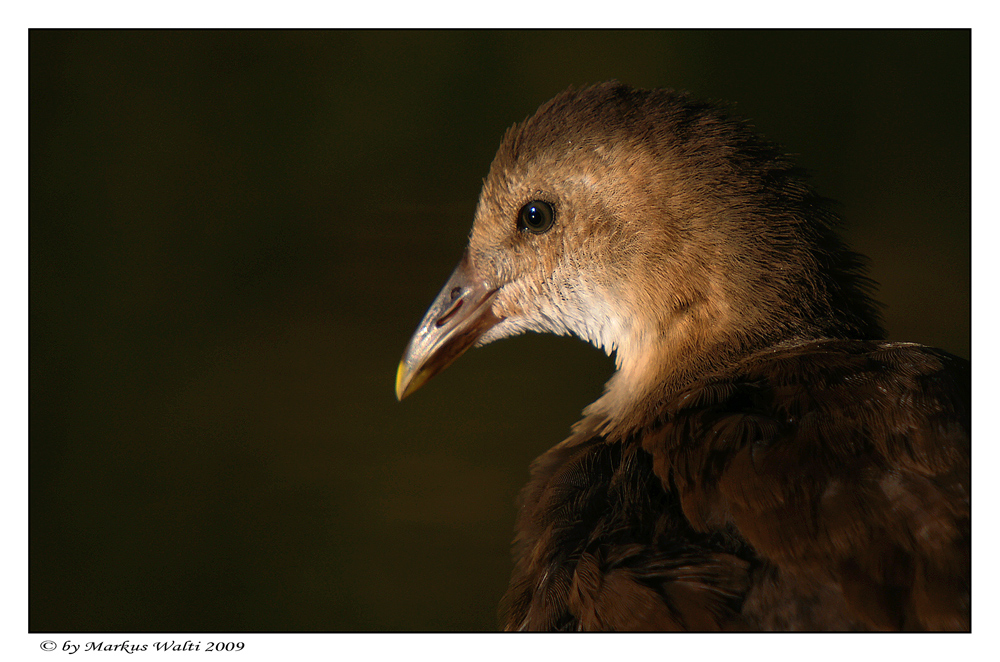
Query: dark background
[233, 234]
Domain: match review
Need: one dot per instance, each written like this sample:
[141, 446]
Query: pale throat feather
[569, 303]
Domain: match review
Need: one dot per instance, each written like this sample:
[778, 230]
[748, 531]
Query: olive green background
[233, 234]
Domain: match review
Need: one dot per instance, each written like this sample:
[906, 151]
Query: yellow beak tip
[408, 381]
[401, 381]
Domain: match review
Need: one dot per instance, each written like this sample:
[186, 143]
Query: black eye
[536, 216]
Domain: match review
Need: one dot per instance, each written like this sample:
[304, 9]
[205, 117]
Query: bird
[762, 458]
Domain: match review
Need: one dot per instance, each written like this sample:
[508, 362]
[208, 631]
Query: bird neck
[659, 358]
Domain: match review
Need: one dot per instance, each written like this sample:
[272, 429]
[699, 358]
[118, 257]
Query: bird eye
[536, 216]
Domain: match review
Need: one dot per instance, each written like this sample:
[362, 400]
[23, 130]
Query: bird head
[652, 226]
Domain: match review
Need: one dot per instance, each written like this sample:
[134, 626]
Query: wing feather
[837, 459]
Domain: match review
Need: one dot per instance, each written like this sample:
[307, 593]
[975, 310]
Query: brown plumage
[761, 459]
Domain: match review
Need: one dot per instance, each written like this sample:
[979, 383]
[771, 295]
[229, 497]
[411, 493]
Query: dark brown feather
[820, 485]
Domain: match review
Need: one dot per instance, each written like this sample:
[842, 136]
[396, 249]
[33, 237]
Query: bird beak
[461, 313]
